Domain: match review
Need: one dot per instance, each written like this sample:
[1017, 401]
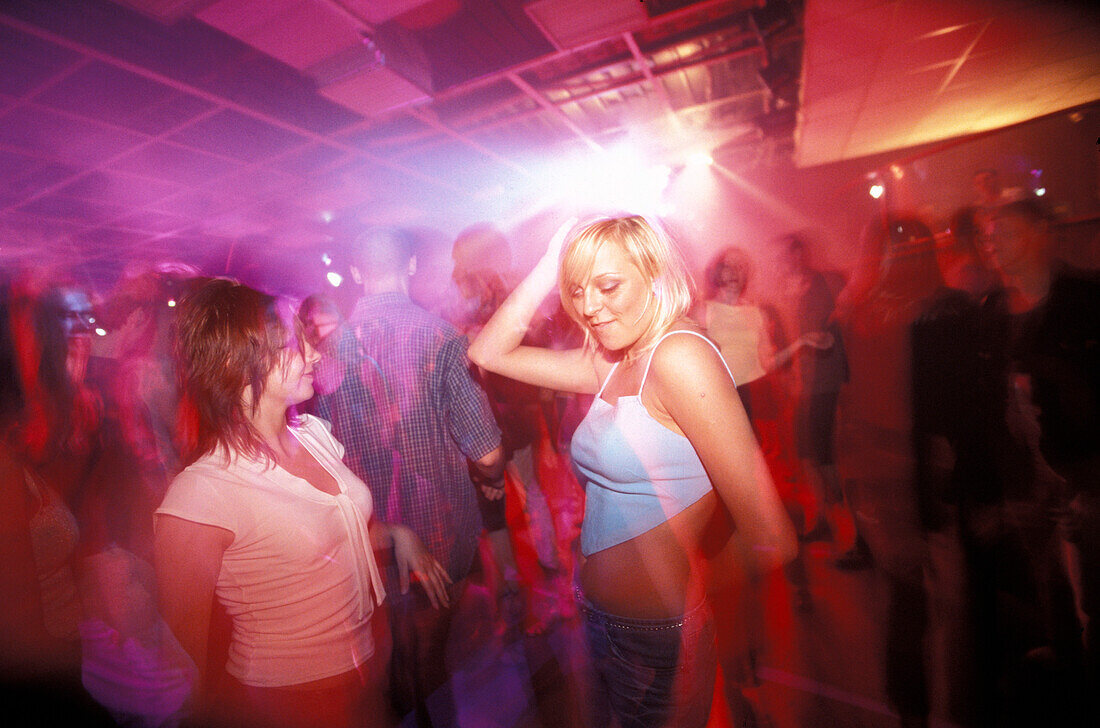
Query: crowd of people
[224, 507]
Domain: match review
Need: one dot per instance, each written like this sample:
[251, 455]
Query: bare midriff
[656, 574]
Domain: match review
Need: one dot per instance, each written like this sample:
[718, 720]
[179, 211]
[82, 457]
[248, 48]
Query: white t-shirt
[297, 578]
[738, 331]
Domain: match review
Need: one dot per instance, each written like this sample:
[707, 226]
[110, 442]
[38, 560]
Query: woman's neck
[270, 424]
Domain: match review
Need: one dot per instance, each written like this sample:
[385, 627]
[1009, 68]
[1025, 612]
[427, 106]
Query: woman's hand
[410, 554]
[553, 251]
[818, 339]
[499, 348]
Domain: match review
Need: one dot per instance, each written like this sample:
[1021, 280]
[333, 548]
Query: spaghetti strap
[645, 375]
[607, 379]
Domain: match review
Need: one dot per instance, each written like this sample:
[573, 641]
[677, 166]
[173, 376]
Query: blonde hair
[651, 250]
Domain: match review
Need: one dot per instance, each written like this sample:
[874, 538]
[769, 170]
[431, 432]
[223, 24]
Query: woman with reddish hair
[268, 519]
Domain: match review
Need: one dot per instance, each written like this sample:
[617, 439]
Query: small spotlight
[334, 278]
[326, 216]
[100, 331]
[700, 159]
[876, 190]
[326, 258]
[1040, 191]
[897, 171]
[171, 303]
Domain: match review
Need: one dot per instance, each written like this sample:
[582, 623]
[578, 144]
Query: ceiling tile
[111, 241]
[823, 103]
[310, 159]
[1067, 70]
[297, 32]
[38, 178]
[924, 52]
[40, 131]
[112, 187]
[194, 204]
[822, 11]
[1081, 41]
[846, 73]
[13, 165]
[923, 18]
[28, 62]
[891, 88]
[152, 221]
[109, 94]
[175, 164]
[66, 208]
[992, 70]
[232, 134]
[853, 35]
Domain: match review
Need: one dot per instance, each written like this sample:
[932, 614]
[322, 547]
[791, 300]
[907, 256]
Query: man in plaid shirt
[418, 431]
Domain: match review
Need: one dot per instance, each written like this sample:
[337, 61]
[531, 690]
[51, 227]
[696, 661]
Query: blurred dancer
[481, 274]
[822, 372]
[321, 318]
[962, 261]
[416, 427]
[742, 332]
[1052, 319]
[878, 427]
[132, 663]
[48, 423]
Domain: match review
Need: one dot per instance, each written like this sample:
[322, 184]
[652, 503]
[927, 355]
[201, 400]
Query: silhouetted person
[1053, 325]
[879, 424]
[821, 374]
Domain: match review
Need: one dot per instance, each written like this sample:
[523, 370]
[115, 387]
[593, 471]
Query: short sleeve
[200, 496]
[321, 429]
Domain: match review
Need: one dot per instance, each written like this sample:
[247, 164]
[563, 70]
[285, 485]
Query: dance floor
[820, 666]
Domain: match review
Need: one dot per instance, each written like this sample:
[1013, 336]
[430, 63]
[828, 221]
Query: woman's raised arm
[692, 385]
[498, 348]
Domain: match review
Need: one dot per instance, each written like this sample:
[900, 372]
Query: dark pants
[357, 700]
[417, 667]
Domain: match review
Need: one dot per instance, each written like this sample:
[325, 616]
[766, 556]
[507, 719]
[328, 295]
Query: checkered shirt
[409, 415]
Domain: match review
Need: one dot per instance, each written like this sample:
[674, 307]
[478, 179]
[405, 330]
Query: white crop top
[637, 473]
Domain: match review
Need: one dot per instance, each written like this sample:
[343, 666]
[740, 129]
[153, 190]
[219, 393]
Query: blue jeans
[656, 672]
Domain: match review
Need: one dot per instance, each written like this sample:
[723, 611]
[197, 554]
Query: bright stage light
[876, 190]
[1040, 191]
[326, 259]
[700, 159]
[100, 332]
[334, 278]
[171, 303]
[619, 178]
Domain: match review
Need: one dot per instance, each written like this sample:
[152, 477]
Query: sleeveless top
[637, 472]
